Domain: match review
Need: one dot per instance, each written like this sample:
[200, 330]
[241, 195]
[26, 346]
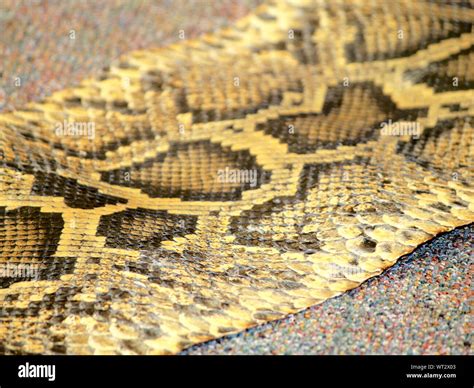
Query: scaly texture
[419, 306]
[145, 241]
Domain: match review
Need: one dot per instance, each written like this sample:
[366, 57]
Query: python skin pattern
[230, 180]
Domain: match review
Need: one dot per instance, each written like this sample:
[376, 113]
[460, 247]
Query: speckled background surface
[39, 56]
[419, 306]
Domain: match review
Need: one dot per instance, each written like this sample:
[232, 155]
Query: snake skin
[140, 248]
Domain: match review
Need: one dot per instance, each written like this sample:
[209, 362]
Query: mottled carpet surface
[46, 45]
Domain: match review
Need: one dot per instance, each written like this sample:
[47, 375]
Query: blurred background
[46, 45]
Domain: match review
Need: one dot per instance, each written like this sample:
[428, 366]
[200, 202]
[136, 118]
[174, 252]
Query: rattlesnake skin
[149, 235]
